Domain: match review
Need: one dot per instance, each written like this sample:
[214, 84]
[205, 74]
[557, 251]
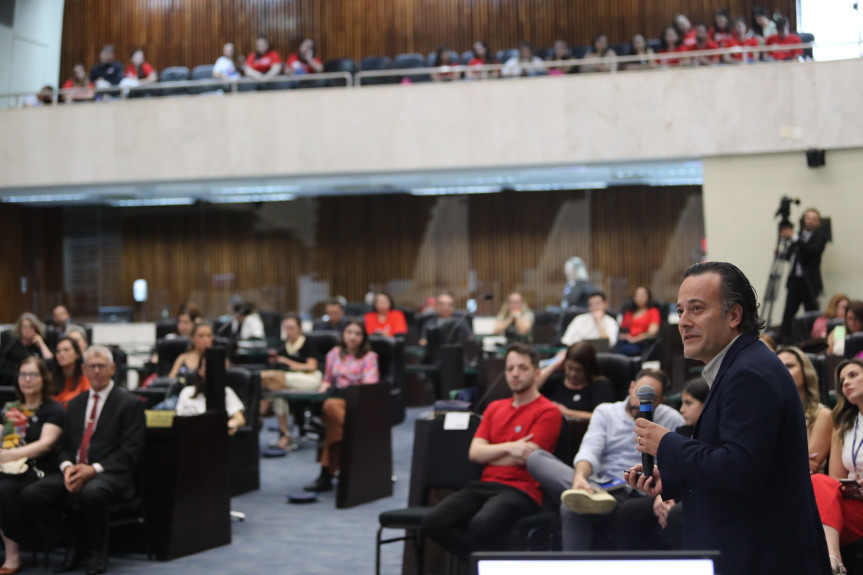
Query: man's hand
[660, 509]
[522, 448]
[651, 486]
[581, 482]
[648, 435]
[77, 476]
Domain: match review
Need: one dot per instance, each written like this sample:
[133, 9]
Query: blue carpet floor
[293, 539]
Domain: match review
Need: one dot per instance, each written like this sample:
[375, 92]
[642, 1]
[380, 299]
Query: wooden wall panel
[192, 32]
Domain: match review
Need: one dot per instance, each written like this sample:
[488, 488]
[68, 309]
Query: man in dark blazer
[804, 276]
[744, 476]
[101, 452]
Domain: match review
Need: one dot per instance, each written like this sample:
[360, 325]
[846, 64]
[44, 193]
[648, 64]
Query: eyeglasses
[97, 366]
[27, 375]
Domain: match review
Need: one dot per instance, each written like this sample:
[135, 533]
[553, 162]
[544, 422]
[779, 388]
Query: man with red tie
[101, 451]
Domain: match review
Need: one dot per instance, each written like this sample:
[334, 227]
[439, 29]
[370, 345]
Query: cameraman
[804, 276]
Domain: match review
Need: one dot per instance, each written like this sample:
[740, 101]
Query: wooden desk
[187, 498]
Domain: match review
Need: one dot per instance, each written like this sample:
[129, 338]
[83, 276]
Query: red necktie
[88, 433]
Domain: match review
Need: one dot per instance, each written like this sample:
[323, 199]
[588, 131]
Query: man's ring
[639, 439]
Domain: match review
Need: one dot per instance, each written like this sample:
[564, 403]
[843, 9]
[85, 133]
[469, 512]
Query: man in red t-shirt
[479, 516]
[740, 38]
[783, 38]
[703, 42]
[264, 61]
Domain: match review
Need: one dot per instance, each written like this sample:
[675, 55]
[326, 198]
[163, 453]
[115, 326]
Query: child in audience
[818, 424]
[840, 494]
[600, 50]
[671, 44]
[352, 362]
[703, 42]
[783, 38]
[639, 47]
[139, 71]
[742, 38]
[78, 88]
[721, 29]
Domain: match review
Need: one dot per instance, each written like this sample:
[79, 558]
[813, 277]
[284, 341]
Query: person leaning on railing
[559, 53]
[783, 38]
[264, 62]
[671, 44]
[78, 88]
[482, 56]
[443, 59]
[740, 38]
[602, 53]
[703, 42]
[639, 47]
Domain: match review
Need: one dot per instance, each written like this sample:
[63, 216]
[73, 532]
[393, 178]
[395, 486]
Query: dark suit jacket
[808, 255]
[118, 441]
[744, 477]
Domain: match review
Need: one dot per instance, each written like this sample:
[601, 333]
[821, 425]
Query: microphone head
[646, 394]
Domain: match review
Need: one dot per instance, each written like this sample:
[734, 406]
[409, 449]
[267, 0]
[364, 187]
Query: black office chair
[390, 353]
[323, 341]
[802, 327]
[339, 65]
[833, 323]
[545, 327]
[244, 447]
[168, 351]
[165, 326]
[853, 344]
[805, 38]
[272, 321]
[443, 464]
[370, 63]
[620, 370]
[202, 73]
[174, 74]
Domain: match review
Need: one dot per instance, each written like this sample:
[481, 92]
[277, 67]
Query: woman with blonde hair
[836, 308]
[28, 338]
[515, 320]
[818, 423]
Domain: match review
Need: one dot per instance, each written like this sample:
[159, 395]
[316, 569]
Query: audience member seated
[515, 320]
[763, 26]
[304, 60]
[819, 426]
[836, 308]
[525, 64]
[671, 44]
[385, 319]
[479, 516]
[482, 56]
[226, 67]
[703, 42]
[138, 71]
[578, 287]
[783, 38]
[78, 88]
[107, 72]
[352, 362]
[684, 30]
[300, 357]
[61, 320]
[246, 323]
[582, 386]
[27, 339]
[606, 449]
[96, 469]
[598, 51]
[443, 58]
[639, 47]
[640, 322]
[853, 324]
[740, 38]
[193, 400]
[187, 363]
[32, 426]
[264, 62]
[334, 317]
[445, 309]
[640, 527]
[79, 334]
[841, 504]
[596, 324]
[68, 372]
[559, 52]
[721, 29]
[768, 341]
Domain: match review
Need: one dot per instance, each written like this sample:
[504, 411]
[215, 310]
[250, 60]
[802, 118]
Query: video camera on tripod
[780, 254]
[785, 211]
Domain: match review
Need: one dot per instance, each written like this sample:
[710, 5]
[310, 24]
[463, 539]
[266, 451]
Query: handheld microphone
[646, 395]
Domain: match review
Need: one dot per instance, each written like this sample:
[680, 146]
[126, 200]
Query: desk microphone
[646, 395]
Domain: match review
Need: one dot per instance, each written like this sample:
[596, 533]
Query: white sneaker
[580, 501]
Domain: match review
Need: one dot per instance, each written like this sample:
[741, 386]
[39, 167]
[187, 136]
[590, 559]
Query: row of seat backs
[272, 321]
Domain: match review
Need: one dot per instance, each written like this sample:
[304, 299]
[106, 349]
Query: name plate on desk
[160, 418]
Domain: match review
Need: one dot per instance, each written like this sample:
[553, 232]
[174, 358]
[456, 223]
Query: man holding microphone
[744, 476]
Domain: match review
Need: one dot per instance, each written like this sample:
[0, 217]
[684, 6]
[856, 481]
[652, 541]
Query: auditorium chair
[323, 341]
[390, 353]
[411, 61]
[432, 58]
[339, 65]
[622, 48]
[356, 309]
[802, 327]
[466, 57]
[543, 53]
[202, 73]
[168, 351]
[174, 74]
[373, 63]
[579, 52]
[439, 461]
[806, 38]
[244, 447]
[272, 321]
[620, 370]
[824, 380]
[833, 323]
[411, 336]
[853, 344]
[165, 326]
[545, 327]
[504, 55]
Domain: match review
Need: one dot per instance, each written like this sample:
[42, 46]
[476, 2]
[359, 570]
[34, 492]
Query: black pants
[13, 519]
[478, 517]
[47, 499]
[799, 291]
[636, 527]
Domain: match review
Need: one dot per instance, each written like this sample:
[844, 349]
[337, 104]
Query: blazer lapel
[106, 413]
[743, 341]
